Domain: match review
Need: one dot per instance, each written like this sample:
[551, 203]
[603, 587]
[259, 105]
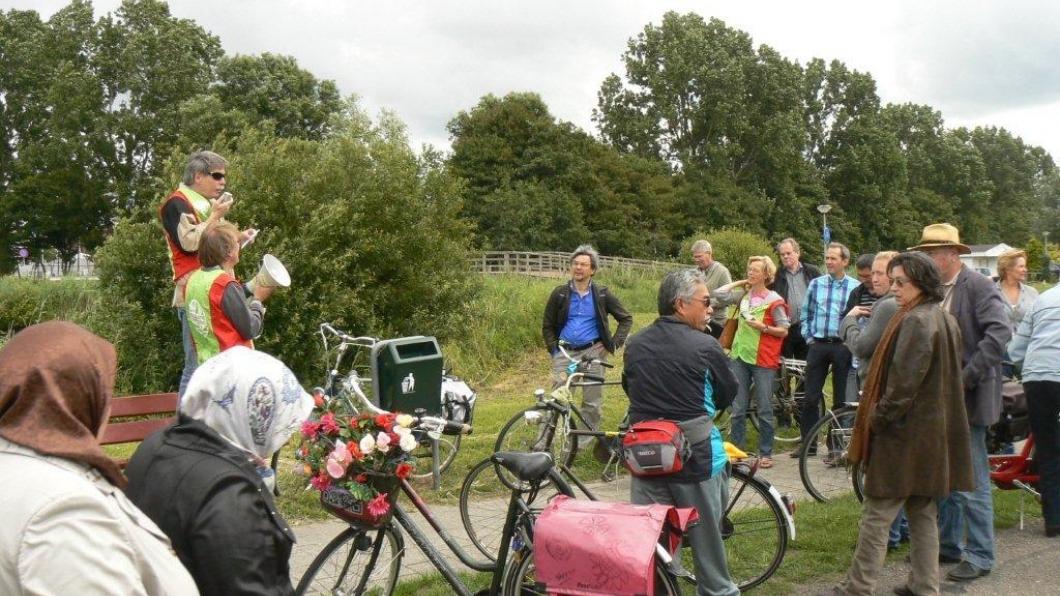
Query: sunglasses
[217, 175]
[900, 281]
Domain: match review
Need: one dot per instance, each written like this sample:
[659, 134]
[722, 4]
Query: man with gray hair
[675, 372]
[716, 275]
[198, 202]
[791, 282]
[576, 314]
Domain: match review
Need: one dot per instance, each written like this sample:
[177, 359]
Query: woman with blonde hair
[1011, 278]
[763, 325]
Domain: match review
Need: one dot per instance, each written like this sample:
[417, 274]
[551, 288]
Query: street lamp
[826, 234]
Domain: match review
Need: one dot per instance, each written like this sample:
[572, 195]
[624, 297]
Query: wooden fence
[552, 264]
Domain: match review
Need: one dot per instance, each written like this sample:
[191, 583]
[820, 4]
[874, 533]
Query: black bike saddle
[527, 467]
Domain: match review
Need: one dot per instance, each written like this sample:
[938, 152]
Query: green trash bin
[407, 375]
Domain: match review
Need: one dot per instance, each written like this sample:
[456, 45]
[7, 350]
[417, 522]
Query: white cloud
[978, 62]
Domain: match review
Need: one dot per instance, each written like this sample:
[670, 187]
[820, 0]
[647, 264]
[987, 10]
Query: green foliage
[25, 302]
[732, 248]
[537, 184]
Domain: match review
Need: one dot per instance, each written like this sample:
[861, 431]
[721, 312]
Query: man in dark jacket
[791, 283]
[576, 314]
[674, 371]
[966, 519]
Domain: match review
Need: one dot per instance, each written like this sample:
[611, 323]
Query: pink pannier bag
[593, 547]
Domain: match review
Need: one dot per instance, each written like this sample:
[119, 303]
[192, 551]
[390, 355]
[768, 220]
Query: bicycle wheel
[448, 445]
[483, 507]
[754, 530]
[356, 562]
[858, 474]
[520, 577]
[823, 464]
[537, 428]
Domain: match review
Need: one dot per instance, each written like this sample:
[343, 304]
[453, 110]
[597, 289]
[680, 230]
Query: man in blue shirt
[826, 299]
[576, 313]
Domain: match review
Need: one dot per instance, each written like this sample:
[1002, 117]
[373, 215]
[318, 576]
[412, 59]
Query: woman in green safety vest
[220, 315]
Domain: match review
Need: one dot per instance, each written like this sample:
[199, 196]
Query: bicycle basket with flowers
[356, 461]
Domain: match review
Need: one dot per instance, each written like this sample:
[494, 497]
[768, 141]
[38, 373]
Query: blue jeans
[966, 519]
[764, 378]
[899, 529]
[191, 361]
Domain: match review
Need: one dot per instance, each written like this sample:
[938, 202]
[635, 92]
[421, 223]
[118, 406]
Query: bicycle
[363, 558]
[759, 521]
[440, 449]
[789, 393]
[547, 425]
[832, 474]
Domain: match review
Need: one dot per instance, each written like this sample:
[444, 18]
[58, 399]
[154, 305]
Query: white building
[983, 257]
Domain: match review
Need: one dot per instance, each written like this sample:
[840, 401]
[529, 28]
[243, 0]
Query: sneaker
[966, 572]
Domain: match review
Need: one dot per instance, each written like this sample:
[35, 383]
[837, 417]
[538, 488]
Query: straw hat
[941, 234]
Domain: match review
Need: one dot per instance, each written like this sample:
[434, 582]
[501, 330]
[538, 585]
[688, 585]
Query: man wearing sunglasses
[197, 202]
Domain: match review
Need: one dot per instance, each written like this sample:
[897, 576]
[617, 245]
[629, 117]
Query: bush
[25, 302]
[367, 229]
[732, 248]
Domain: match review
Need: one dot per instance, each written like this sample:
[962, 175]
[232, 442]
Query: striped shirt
[822, 311]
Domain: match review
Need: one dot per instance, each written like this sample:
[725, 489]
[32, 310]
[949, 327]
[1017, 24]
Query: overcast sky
[979, 63]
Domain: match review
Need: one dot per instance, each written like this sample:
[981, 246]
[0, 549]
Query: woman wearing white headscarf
[205, 480]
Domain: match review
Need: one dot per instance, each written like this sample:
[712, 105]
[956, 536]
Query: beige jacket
[66, 530]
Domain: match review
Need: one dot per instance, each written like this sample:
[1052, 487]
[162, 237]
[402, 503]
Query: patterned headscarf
[249, 398]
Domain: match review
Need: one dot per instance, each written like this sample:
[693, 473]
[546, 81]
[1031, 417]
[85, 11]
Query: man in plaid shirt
[826, 299]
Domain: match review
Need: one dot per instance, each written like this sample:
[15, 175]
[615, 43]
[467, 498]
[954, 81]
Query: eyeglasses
[217, 175]
[901, 282]
[704, 301]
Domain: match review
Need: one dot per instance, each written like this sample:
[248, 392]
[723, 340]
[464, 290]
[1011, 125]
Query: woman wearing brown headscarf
[68, 528]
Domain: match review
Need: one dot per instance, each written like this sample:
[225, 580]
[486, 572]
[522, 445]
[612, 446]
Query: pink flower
[310, 429]
[382, 442]
[321, 482]
[328, 424]
[379, 505]
[338, 460]
[335, 469]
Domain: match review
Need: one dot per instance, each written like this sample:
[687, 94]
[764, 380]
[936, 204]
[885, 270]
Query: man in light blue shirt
[826, 299]
[1037, 345]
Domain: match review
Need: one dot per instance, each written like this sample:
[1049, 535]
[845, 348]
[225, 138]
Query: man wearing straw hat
[197, 202]
[966, 519]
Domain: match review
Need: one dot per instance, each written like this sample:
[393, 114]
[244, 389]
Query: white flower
[367, 444]
[408, 442]
[402, 431]
[403, 420]
[382, 442]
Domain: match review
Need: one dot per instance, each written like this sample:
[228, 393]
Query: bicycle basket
[343, 505]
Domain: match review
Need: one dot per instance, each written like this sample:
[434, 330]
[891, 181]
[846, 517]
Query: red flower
[318, 400]
[394, 438]
[362, 478]
[355, 451]
[310, 429]
[384, 421]
[321, 481]
[378, 506]
[403, 470]
[328, 424]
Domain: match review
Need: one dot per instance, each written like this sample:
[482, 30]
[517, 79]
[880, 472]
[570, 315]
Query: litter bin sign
[407, 374]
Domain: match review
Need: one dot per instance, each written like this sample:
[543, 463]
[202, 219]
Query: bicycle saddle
[527, 467]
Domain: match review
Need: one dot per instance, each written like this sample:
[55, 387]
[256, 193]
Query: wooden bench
[161, 409]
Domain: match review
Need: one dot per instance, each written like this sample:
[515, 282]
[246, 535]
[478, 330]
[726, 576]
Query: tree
[273, 88]
[535, 183]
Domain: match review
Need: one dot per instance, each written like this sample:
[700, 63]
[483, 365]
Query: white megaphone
[272, 274]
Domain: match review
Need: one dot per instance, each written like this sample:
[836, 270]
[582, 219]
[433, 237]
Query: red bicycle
[1015, 471]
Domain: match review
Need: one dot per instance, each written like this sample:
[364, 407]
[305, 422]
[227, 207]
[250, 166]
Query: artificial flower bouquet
[356, 460]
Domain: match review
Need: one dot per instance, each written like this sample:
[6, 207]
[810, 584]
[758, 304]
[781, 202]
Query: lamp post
[826, 234]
